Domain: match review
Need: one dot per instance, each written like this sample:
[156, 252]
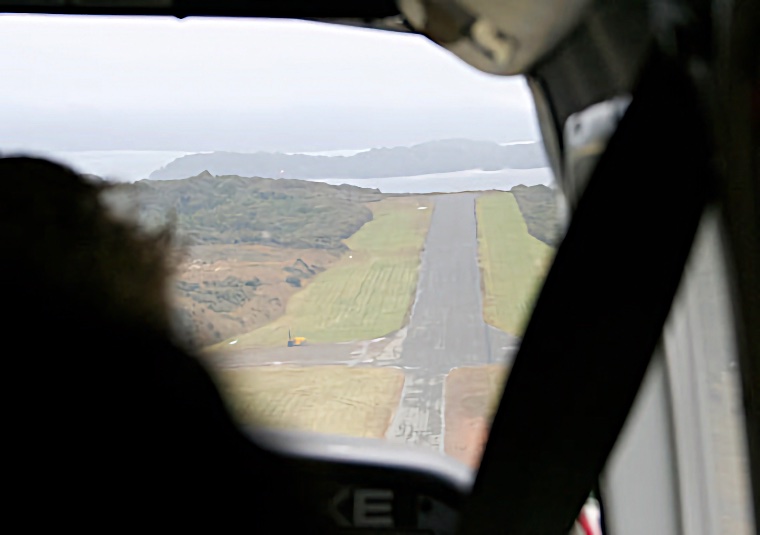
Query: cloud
[198, 84]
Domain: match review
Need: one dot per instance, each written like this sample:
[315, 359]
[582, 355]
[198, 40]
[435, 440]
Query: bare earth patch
[213, 319]
[327, 399]
[471, 397]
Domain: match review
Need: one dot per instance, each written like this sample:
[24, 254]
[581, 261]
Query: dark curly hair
[107, 417]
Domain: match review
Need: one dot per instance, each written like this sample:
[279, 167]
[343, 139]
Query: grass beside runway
[368, 293]
[327, 399]
[513, 263]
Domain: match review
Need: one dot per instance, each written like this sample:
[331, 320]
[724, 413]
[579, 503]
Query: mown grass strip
[368, 293]
[513, 263]
[326, 399]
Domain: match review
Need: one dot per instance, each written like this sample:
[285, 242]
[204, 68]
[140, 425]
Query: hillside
[248, 243]
[538, 206]
[432, 157]
[233, 209]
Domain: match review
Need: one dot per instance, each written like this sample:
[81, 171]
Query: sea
[133, 165]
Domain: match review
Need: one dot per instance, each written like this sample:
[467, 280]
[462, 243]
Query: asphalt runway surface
[446, 328]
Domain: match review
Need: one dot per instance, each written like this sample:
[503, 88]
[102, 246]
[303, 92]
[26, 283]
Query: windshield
[363, 220]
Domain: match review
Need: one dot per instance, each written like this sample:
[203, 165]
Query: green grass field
[368, 293]
[513, 263]
[327, 399]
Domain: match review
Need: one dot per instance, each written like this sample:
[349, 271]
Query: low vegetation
[513, 263]
[538, 206]
[368, 293]
[248, 244]
[221, 296]
[231, 209]
[327, 399]
[224, 290]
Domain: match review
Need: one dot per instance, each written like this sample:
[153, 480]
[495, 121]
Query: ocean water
[115, 165]
[339, 152]
[132, 165]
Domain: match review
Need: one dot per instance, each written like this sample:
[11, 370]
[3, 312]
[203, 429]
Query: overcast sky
[75, 83]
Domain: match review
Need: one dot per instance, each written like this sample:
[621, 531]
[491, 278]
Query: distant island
[426, 158]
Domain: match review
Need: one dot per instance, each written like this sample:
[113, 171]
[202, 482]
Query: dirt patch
[471, 397]
[226, 290]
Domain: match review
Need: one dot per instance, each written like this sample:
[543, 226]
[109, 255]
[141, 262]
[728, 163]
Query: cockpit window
[363, 221]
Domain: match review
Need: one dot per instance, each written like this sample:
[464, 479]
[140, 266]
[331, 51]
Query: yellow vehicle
[297, 341]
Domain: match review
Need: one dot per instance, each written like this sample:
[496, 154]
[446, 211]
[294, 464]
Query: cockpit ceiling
[497, 36]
